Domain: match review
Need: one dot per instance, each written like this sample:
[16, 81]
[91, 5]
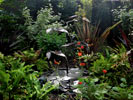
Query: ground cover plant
[48, 53]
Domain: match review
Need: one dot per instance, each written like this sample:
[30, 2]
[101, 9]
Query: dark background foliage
[11, 27]
[101, 12]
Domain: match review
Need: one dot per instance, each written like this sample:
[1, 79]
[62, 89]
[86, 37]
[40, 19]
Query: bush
[49, 42]
[45, 19]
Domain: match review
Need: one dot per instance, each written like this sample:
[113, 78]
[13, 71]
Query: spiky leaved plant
[91, 35]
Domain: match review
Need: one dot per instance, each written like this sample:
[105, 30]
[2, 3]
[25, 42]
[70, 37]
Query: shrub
[45, 19]
[49, 42]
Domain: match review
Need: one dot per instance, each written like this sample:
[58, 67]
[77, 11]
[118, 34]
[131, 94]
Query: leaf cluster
[51, 42]
[18, 80]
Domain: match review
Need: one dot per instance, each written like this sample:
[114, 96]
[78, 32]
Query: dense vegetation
[36, 36]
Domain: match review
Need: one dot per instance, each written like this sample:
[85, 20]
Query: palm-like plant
[91, 35]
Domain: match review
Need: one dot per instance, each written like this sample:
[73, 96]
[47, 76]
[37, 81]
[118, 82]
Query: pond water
[65, 81]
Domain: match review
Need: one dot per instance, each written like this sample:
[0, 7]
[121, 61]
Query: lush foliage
[34, 45]
[33, 57]
[109, 77]
[45, 19]
[51, 42]
[122, 13]
[91, 90]
[90, 34]
[18, 80]
[116, 64]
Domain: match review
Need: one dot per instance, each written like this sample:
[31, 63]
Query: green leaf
[123, 85]
[123, 80]
[130, 96]
[95, 80]
[4, 77]
[115, 88]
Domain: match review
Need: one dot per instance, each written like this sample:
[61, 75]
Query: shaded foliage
[11, 27]
[13, 6]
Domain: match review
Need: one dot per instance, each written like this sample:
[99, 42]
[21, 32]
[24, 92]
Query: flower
[104, 71]
[82, 64]
[56, 62]
[80, 83]
[82, 47]
[79, 53]
[78, 43]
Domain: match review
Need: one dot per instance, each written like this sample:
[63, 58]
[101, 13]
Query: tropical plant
[90, 34]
